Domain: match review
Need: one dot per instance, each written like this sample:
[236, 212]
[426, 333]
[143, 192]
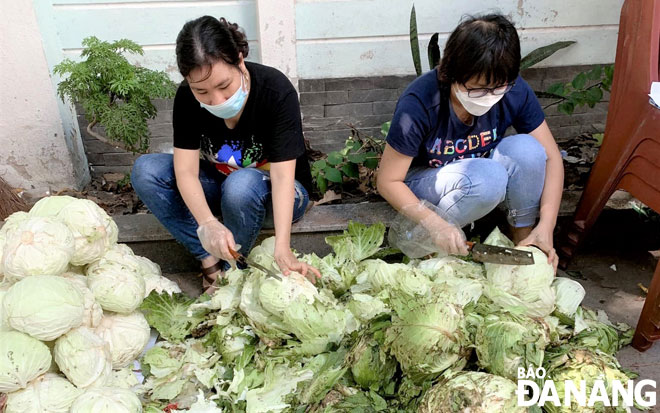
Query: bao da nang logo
[611, 393]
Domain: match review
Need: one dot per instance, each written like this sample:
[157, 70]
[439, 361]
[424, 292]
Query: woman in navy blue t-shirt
[447, 143]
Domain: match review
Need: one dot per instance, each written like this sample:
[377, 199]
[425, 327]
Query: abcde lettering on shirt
[446, 150]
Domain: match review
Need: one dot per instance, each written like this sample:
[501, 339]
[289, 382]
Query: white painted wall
[345, 38]
[38, 151]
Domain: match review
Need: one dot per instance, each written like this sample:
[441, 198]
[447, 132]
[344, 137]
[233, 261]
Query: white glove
[216, 239]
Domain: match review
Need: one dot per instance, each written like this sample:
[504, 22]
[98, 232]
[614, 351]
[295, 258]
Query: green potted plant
[113, 92]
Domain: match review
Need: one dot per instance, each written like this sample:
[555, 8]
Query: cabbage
[117, 287]
[3, 325]
[83, 357]
[593, 330]
[377, 275]
[450, 267]
[569, 294]
[504, 342]
[22, 359]
[124, 378]
[50, 206]
[225, 300]
[201, 406]
[37, 246]
[231, 340]
[93, 230]
[472, 392]
[93, 311]
[11, 223]
[159, 284]
[358, 242]
[43, 306]
[169, 315]
[49, 393]
[107, 400]
[126, 334]
[428, 337]
[370, 365]
[275, 395]
[365, 307]
[574, 364]
[278, 308]
[523, 289]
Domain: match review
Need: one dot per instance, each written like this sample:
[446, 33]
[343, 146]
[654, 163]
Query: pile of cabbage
[378, 332]
[373, 335]
[70, 324]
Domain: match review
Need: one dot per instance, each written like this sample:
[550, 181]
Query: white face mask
[476, 106]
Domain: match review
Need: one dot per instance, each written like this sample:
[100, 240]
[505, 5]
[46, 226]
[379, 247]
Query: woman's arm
[553, 187]
[391, 186]
[282, 179]
[186, 170]
[215, 237]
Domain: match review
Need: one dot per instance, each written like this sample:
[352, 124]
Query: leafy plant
[586, 88]
[113, 92]
[359, 155]
[433, 50]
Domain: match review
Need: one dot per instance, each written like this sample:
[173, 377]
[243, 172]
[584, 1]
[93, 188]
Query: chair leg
[648, 326]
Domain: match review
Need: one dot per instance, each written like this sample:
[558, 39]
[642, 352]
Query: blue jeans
[468, 189]
[242, 199]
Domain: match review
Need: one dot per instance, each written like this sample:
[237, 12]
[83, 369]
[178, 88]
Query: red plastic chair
[629, 158]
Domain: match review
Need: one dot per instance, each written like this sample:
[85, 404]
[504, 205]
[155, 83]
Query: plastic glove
[216, 239]
[447, 237]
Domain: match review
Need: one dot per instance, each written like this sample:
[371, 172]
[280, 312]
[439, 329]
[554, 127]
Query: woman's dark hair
[482, 45]
[207, 40]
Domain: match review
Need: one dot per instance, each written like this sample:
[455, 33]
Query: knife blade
[249, 263]
[500, 255]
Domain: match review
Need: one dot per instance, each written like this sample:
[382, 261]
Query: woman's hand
[288, 262]
[447, 237]
[541, 237]
[216, 239]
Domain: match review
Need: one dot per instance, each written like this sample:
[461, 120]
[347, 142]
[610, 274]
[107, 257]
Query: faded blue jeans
[468, 189]
[242, 199]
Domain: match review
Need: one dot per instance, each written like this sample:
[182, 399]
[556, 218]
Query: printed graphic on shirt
[234, 154]
[446, 150]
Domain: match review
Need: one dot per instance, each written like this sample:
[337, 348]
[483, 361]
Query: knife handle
[470, 244]
[238, 257]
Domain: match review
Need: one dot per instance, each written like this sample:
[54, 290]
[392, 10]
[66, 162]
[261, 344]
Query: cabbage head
[83, 357]
[43, 306]
[22, 359]
[49, 393]
[397, 279]
[93, 230]
[450, 267]
[504, 342]
[593, 330]
[126, 334]
[428, 337]
[117, 287]
[473, 392]
[3, 324]
[11, 223]
[568, 363]
[365, 307]
[293, 306]
[523, 289]
[50, 206]
[37, 246]
[93, 311]
[107, 400]
[371, 366]
[569, 295]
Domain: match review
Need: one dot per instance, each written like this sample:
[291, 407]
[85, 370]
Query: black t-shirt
[269, 129]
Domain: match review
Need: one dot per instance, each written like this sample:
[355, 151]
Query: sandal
[210, 285]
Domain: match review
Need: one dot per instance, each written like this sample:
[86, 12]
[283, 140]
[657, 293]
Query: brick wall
[330, 106]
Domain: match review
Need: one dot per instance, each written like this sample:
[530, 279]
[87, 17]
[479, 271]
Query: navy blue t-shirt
[425, 125]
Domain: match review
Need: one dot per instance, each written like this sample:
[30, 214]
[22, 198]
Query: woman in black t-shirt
[238, 153]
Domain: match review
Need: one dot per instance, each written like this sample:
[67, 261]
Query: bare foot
[211, 271]
[519, 234]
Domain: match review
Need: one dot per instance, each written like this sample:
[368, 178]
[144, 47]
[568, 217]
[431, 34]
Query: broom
[10, 202]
